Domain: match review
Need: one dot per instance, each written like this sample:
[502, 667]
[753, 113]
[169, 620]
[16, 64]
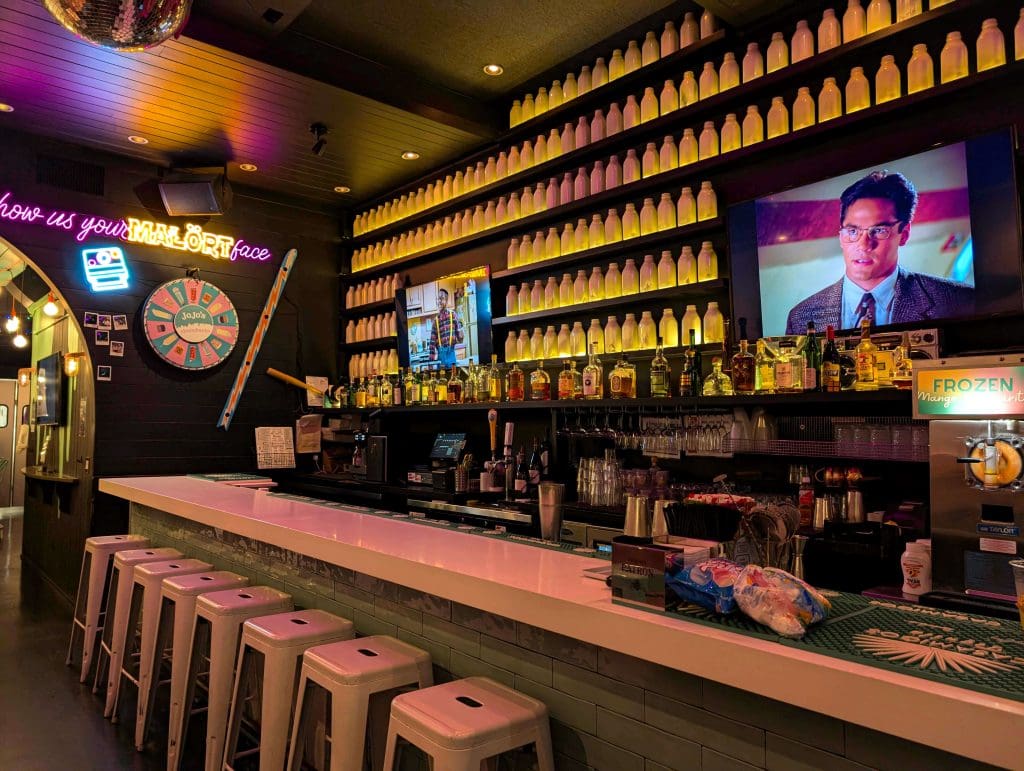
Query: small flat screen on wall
[911, 242]
[50, 390]
[446, 322]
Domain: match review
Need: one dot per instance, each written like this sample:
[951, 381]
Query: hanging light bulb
[13, 323]
[51, 308]
[20, 341]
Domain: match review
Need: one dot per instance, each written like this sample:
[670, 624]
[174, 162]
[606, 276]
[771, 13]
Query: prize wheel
[190, 323]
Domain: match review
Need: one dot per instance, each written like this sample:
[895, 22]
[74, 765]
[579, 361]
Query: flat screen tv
[913, 242]
[50, 390]
[446, 322]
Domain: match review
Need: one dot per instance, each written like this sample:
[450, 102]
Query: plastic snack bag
[779, 600]
[708, 583]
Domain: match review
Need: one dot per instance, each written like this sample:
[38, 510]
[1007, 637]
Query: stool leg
[123, 653]
[199, 648]
[348, 729]
[239, 696]
[274, 713]
[79, 618]
[149, 665]
[305, 704]
[391, 748]
[223, 636]
[545, 755]
[146, 704]
[181, 650]
[107, 637]
[93, 610]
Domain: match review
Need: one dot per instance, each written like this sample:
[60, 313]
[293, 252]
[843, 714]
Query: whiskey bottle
[494, 380]
[593, 377]
[866, 355]
[398, 391]
[717, 383]
[764, 371]
[743, 370]
[789, 369]
[515, 384]
[903, 373]
[660, 374]
[360, 394]
[387, 392]
[540, 384]
[622, 380]
[831, 366]
[455, 387]
[565, 384]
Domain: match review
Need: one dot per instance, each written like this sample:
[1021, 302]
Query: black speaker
[195, 195]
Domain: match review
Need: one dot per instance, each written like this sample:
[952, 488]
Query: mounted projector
[195, 195]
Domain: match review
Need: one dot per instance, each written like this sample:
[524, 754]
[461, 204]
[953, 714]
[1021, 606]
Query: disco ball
[123, 25]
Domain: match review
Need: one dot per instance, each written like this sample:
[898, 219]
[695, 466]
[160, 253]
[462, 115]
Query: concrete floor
[48, 721]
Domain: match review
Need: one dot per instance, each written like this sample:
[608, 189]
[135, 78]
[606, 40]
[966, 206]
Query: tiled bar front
[610, 711]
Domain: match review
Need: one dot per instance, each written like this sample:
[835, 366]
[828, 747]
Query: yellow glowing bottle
[778, 53]
[803, 109]
[879, 15]
[753, 63]
[648, 105]
[686, 207]
[887, 81]
[753, 126]
[630, 222]
[855, 21]
[668, 155]
[688, 89]
[707, 145]
[612, 282]
[707, 202]
[858, 91]
[991, 46]
[802, 45]
[906, 9]
[669, 99]
[732, 135]
[666, 212]
[708, 83]
[778, 118]
[920, 70]
[729, 72]
[830, 101]
[953, 60]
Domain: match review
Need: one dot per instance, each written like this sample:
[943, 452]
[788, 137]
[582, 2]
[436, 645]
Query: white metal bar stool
[90, 601]
[215, 637]
[177, 615]
[463, 723]
[119, 593]
[143, 622]
[337, 683]
[268, 665]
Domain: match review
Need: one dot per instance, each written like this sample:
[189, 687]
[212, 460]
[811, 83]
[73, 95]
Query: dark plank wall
[152, 418]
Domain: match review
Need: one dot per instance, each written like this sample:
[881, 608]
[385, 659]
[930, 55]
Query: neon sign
[105, 268]
[193, 239]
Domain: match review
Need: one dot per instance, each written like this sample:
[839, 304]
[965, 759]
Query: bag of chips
[708, 583]
[779, 600]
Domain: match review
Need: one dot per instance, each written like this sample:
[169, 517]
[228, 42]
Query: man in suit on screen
[874, 222]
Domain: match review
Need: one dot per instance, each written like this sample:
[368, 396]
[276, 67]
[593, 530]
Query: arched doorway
[47, 397]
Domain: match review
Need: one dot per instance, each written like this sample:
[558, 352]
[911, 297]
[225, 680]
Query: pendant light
[51, 308]
[13, 322]
[20, 341]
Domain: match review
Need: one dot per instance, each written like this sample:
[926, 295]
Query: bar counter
[545, 589]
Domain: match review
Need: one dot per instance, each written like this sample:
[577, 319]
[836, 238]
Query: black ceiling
[247, 78]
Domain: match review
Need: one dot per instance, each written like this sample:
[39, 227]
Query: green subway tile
[519, 660]
[782, 754]
[557, 646]
[716, 761]
[341, 611]
[427, 603]
[574, 712]
[469, 666]
[706, 728]
[439, 653]
[452, 635]
[484, 622]
[399, 615]
[665, 748]
[357, 598]
[652, 677]
[591, 751]
[368, 624]
[614, 694]
[301, 597]
[887, 752]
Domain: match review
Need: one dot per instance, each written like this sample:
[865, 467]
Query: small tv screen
[49, 390]
[446, 322]
[910, 242]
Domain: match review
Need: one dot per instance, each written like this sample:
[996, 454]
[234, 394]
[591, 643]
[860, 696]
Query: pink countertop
[546, 588]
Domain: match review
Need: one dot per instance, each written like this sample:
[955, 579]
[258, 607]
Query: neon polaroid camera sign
[105, 268]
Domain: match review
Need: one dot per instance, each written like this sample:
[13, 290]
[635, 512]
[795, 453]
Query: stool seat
[194, 584]
[300, 627]
[133, 557]
[152, 573]
[103, 542]
[241, 602]
[466, 713]
[368, 659]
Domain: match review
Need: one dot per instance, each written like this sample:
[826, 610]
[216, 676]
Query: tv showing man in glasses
[876, 214]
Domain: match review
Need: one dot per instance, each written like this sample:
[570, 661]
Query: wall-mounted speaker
[192, 195]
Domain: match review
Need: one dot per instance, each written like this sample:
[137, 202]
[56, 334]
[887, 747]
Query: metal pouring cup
[638, 520]
[550, 500]
[822, 508]
[659, 523]
[854, 506]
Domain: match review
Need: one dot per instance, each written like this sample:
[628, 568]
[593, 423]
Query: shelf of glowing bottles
[612, 228]
[733, 134]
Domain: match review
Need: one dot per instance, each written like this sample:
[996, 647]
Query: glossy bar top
[546, 588]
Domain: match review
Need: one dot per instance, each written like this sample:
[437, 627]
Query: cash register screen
[448, 446]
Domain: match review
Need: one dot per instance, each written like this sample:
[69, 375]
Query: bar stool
[463, 723]
[214, 648]
[143, 622]
[90, 600]
[268, 661]
[118, 595]
[177, 614]
[338, 681]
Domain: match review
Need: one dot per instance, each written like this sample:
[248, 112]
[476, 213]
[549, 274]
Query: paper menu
[275, 447]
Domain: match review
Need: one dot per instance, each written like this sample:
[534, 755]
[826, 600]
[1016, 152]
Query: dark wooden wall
[153, 418]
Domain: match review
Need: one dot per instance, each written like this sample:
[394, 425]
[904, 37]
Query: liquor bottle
[387, 392]
[522, 481]
[903, 372]
[411, 390]
[743, 370]
[866, 359]
[830, 363]
[494, 380]
[577, 381]
[565, 384]
[426, 387]
[660, 374]
[361, 394]
[469, 389]
[812, 359]
[441, 387]
[622, 380]
[540, 384]
[686, 376]
[789, 368]
[764, 371]
[593, 378]
[515, 384]
[717, 383]
[373, 393]
[536, 466]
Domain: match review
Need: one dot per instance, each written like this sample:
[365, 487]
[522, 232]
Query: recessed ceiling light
[342, 189]
[493, 69]
[409, 155]
[6, 107]
[247, 166]
[136, 139]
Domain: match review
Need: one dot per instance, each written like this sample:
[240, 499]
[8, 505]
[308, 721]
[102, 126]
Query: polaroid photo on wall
[120, 321]
[102, 337]
[89, 319]
[103, 321]
[117, 347]
[104, 372]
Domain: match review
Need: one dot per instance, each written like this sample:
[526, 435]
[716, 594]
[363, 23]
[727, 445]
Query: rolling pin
[276, 373]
